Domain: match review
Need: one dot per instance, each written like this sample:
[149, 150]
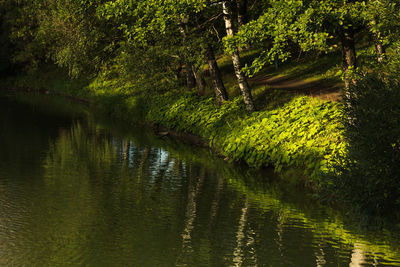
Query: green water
[78, 192]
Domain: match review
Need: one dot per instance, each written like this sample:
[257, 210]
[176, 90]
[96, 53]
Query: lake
[84, 191]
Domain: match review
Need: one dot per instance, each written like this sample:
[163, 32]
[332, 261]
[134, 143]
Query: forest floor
[323, 89]
[311, 76]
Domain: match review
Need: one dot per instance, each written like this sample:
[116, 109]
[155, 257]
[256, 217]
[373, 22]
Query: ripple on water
[78, 195]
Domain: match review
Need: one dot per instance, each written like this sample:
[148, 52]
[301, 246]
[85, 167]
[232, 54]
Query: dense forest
[196, 65]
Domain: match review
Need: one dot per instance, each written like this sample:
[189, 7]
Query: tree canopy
[165, 41]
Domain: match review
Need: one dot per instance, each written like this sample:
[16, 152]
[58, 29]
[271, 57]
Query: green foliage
[137, 50]
[311, 25]
[68, 33]
[48, 104]
[185, 111]
[304, 133]
[392, 64]
[49, 79]
[158, 36]
[369, 172]
[74, 36]
[383, 20]
[300, 132]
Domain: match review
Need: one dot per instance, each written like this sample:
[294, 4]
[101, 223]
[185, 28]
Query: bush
[369, 172]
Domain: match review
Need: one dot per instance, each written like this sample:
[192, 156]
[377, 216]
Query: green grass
[320, 69]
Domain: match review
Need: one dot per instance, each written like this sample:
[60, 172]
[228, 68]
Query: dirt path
[328, 89]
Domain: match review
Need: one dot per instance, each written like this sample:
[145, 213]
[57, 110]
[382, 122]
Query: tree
[242, 16]
[219, 88]
[243, 85]
[180, 31]
[313, 25]
[205, 23]
[382, 18]
[69, 33]
[159, 25]
[368, 174]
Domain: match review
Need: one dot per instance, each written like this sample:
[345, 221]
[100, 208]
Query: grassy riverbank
[289, 132]
[302, 132]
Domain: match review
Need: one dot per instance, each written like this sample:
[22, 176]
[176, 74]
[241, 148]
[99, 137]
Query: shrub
[368, 174]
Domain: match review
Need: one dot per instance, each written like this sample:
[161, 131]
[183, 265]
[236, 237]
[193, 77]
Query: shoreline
[234, 141]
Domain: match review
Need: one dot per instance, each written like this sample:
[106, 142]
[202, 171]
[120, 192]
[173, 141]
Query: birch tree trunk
[241, 12]
[190, 79]
[215, 74]
[200, 82]
[243, 85]
[190, 76]
[349, 60]
[379, 48]
[242, 16]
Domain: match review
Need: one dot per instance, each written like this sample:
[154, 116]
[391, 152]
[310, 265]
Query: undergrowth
[298, 132]
[303, 133]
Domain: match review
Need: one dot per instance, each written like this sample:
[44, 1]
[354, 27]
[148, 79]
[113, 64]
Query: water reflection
[76, 193]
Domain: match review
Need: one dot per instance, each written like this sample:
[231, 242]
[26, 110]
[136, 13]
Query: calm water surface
[76, 192]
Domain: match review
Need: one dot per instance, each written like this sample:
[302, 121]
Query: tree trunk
[243, 85]
[379, 48]
[190, 79]
[241, 12]
[178, 71]
[200, 82]
[349, 60]
[241, 6]
[215, 74]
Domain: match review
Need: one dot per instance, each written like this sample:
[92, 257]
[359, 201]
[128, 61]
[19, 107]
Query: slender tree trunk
[241, 6]
[241, 12]
[379, 48]
[243, 85]
[215, 74]
[190, 76]
[178, 71]
[200, 82]
[349, 60]
[190, 79]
